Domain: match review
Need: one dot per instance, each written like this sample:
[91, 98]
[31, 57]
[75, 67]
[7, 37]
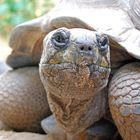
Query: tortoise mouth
[68, 78]
[89, 70]
[72, 66]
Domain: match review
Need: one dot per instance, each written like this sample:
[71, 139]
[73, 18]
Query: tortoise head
[75, 63]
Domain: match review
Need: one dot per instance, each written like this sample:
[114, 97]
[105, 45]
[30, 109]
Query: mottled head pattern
[75, 63]
[74, 67]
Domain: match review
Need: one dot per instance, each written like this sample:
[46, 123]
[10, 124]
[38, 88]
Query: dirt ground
[10, 135]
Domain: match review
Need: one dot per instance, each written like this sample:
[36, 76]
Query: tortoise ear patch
[102, 39]
[102, 42]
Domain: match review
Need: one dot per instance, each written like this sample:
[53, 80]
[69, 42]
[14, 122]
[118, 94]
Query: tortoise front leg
[124, 101]
[101, 130]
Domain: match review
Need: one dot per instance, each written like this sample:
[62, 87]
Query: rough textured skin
[124, 101]
[26, 42]
[74, 69]
[57, 70]
[23, 102]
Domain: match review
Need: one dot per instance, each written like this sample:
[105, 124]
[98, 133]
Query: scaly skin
[124, 101]
[23, 102]
[74, 73]
[63, 71]
[74, 69]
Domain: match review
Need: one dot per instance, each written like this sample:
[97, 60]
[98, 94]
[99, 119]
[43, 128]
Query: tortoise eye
[102, 41]
[60, 39]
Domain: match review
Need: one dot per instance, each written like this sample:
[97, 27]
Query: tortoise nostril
[89, 48]
[82, 48]
[85, 48]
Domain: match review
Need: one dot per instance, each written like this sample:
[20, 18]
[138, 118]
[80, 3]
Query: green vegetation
[13, 12]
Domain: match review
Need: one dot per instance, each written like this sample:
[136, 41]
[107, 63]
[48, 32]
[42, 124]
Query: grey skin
[74, 69]
[121, 86]
[75, 74]
[113, 18]
[23, 99]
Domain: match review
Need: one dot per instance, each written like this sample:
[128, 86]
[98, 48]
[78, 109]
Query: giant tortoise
[82, 70]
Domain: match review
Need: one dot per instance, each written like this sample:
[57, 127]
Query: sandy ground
[9, 135]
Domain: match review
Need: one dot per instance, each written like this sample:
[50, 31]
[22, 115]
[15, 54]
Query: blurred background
[13, 12]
